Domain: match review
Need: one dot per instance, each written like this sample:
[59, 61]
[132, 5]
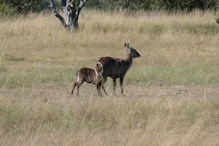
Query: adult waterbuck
[116, 67]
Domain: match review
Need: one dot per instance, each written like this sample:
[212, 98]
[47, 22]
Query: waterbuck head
[132, 51]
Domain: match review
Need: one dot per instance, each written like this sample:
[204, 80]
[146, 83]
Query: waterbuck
[90, 76]
[116, 67]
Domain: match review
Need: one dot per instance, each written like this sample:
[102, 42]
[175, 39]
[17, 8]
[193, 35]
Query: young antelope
[90, 76]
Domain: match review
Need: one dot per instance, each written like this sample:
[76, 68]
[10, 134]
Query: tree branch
[71, 13]
[52, 5]
[81, 4]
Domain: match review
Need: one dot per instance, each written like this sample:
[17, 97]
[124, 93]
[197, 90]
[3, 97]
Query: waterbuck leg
[104, 90]
[73, 88]
[121, 85]
[114, 85]
[99, 89]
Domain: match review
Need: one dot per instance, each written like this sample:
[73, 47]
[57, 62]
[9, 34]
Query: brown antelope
[116, 67]
[90, 76]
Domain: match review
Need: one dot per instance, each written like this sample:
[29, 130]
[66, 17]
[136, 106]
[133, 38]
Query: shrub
[98, 4]
[169, 5]
[11, 7]
[217, 20]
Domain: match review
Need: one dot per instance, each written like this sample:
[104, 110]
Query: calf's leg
[99, 89]
[75, 84]
[78, 86]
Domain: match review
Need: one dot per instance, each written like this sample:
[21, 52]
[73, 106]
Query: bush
[11, 7]
[217, 20]
[97, 4]
[5, 10]
[189, 5]
[168, 5]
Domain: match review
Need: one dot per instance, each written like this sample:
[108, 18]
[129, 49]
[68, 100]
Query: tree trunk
[71, 13]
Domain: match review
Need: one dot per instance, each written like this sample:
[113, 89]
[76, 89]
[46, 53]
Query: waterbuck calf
[90, 76]
[116, 67]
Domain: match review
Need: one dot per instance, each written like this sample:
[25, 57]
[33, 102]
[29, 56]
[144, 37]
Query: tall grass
[109, 121]
[175, 49]
[171, 91]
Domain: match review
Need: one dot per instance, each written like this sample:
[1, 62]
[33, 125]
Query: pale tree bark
[71, 12]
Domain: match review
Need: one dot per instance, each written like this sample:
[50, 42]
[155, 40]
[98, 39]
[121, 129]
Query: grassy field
[172, 91]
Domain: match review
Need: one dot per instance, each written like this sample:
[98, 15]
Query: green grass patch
[36, 76]
[184, 74]
[12, 58]
[3, 68]
[198, 29]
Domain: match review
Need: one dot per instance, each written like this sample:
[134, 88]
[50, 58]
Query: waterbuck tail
[99, 67]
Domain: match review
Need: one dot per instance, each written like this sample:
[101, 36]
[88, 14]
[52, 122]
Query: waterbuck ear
[127, 45]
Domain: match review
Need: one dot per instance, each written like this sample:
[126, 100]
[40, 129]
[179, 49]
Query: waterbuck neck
[128, 58]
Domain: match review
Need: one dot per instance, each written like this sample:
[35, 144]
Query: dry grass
[171, 91]
[149, 115]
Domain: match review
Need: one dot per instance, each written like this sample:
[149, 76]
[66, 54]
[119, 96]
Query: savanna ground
[172, 91]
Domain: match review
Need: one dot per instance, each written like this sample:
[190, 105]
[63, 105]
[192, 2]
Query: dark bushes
[11, 7]
[168, 5]
[217, 20]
